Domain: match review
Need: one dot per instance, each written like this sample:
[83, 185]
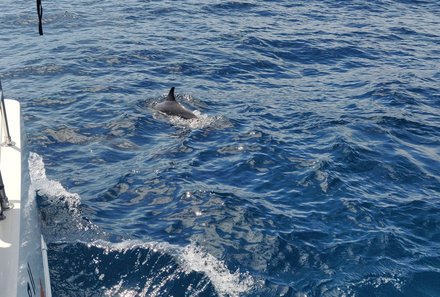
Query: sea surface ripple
[313, 168]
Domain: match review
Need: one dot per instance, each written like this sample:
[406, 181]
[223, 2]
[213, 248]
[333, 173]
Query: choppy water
[313, 169]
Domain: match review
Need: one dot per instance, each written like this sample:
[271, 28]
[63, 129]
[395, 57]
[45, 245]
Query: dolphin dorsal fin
[170, 96]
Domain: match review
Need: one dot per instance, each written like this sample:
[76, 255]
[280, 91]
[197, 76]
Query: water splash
[191, 258]
[51, 189]
[202, 121]
[225, 282]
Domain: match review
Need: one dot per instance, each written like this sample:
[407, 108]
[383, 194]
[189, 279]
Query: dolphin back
[171, 107]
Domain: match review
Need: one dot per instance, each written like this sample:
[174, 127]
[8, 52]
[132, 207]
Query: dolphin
[171, 107]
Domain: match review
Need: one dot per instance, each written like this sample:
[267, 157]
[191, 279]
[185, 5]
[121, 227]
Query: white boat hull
[23, 257]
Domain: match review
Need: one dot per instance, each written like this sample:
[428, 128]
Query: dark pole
[8, 135]
[40, 17]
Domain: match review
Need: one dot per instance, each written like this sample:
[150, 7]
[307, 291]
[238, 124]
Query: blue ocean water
[312, 170]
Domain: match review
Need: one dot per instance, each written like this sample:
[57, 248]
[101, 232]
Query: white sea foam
[49, 188]
[191, 258]
[225, 282]
[202, 121]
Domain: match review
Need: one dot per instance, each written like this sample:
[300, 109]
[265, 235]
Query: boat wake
[60, 210]
[90, 260]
